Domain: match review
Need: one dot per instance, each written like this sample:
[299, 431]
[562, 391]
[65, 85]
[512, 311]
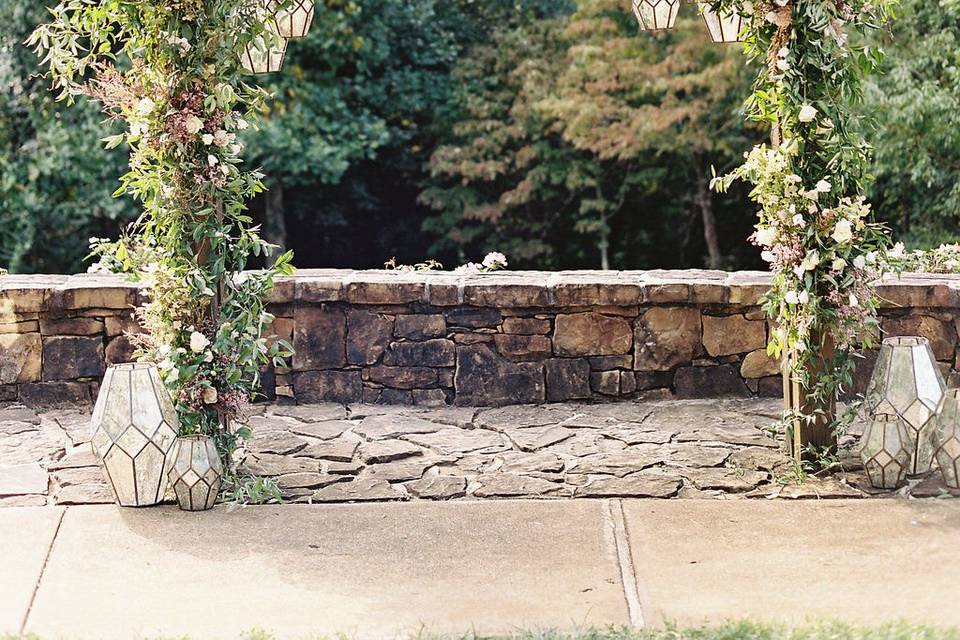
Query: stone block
[709, 382]
[402, 377]
[729, 335]
[86, 291]
[591, 334]
[606, 382]
[757, 364]
[119, 350]
[524, 348]
[319, 338]
[571, 290]
[628, 383]
[20, 357]
[443, 290]
[72, 357]
[430, 397]
[666, 337]
[368, 334]
[473, 318]
[567, 379]
[70, 326]
[506, 292]
[747, 287]
[484, 378]
[58, 394]
[311, 387]
[20, 326]
[431, 353]
[605, 363]
[526, 326]
[383, 287]
[420, 326]
[321, 287]
[122, 323]
[942, 335]
[647, 380]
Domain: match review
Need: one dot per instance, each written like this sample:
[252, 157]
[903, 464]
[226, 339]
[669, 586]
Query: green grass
[744, 630]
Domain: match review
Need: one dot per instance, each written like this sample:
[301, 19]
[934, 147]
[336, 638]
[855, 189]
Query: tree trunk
[704, 200]
[274, 223]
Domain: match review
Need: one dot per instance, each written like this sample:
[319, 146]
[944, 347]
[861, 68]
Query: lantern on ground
[887, 450]
[293, 21]
[724, 26]
[261, 57]
[656, 15]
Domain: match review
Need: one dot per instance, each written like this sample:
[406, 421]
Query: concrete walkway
[391, 569]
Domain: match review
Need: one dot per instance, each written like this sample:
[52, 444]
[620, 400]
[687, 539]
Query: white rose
[765, 236]
[221, 138]
[798, 219]
[792, 297]
[212, 160]
[843, 232]
[767, 256]
[208, 139]
[494, 259]
[897, 251]
[146, 106]
[859, 262]
[782, 64]
[783, 52]
[198, 342]
[811, 260]
[242, 124]
[823, 186]
[807, 113]
[193, 124]
[871, 257]
[839, 264]
[804, 297]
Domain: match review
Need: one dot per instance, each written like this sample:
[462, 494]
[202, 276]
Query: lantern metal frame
[195, 472]
[723, 28]
[887, 450]
[259, 57]
[294, 21]
[947, 438]
[656, 15]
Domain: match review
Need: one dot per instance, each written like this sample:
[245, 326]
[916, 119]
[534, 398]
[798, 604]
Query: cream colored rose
[843, 232]
[209, 396]
[193, 124]
[198, 342]
[807, 113]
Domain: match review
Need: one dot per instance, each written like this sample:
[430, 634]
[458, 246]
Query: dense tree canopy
[555, 132]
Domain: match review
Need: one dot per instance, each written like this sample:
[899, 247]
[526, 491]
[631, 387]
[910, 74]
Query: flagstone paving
[344, 453]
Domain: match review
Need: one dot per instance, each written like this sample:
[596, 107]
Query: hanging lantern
[656, 15]
[259, 57]
[723, 27]
[295, 20]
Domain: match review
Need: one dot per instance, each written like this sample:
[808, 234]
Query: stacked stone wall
[440, 338]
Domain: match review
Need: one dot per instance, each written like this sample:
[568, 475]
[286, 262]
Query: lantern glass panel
[260, 57]
[295, 20]
[947, 438]
[656, 15]
[723, 27]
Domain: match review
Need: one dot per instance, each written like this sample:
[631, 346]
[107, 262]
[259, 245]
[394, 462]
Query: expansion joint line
[43, 570]
[628, 576]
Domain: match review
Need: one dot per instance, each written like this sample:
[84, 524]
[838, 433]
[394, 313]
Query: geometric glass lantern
[947, 437]
[723, 27]
[656, 15]
[258, 57]
[886, 450]
[295, 20]
[906, 381]
[195, 472]
[134, 425]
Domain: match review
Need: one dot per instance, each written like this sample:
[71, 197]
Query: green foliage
[569, 125]
[170, 72]
[54, 174]
[916, 102]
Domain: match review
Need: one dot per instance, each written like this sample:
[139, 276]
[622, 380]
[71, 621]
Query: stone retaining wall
[440, 338]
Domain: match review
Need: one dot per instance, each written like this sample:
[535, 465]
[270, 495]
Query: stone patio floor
[721, 449]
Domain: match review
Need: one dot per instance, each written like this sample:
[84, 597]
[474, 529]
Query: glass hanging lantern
[295, 20]
[260, 57]
[724, 27]
[656, 15]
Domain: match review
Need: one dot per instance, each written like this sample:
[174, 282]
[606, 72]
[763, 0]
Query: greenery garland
[815, 227]
[170, 69]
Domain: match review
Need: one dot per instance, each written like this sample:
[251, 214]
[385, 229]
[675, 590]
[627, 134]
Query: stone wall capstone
[438, 338]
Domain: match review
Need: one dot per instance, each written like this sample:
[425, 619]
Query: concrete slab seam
[43, 570]
[628, 576]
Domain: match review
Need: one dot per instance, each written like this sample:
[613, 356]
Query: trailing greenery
[816, 228]
[169, 72]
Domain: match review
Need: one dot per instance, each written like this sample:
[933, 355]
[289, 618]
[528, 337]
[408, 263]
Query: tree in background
[578, 142]
[55, 176]
[917, 106]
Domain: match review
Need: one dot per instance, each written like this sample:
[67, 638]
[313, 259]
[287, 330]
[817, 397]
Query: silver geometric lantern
[724, 27]
[947, 438]
[134, 425]
[656, 15]
[907, 381]
[195, 472]
[295, 20]
[886, 450]
[259, 57]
